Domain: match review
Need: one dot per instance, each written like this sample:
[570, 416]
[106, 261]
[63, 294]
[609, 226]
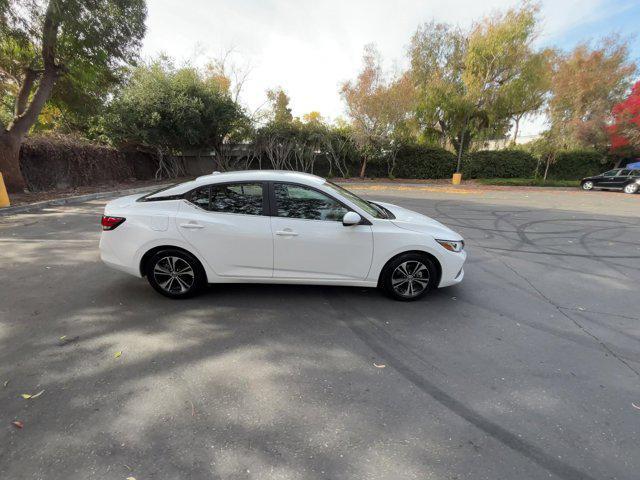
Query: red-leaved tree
[625, 131]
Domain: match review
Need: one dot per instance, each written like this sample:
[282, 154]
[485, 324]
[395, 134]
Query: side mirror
[351, 218]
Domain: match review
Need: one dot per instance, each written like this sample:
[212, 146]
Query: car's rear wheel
[175, 273]
[409, 276]
[588, 185]
[631, 188]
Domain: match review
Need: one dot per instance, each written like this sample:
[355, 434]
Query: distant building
[504, 142]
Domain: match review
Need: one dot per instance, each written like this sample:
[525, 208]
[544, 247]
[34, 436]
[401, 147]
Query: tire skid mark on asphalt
[573, 320]
[574, 338]
[376, 342]
[580, 255]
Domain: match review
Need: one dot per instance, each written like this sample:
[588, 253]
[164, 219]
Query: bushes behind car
[577, 164]
[418, 161]
[499, 164]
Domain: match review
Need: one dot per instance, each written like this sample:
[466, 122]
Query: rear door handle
[286, 233]
[193, 226]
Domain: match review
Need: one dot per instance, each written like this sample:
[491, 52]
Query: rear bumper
[109, 257]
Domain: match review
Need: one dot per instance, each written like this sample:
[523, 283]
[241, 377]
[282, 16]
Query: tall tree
[42, 43]
[376, 105]
[173, 110]
[586, 84]
[281, 113]
[469, 81]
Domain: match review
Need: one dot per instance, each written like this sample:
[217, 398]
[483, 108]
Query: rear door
[310, 241]
[620, 179]
[229, 227]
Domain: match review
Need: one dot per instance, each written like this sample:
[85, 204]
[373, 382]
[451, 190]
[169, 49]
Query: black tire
[587, 185]
[631, 188]
[421, 277]
[175, 274]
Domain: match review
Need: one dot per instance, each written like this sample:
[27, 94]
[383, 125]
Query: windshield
[371, 208]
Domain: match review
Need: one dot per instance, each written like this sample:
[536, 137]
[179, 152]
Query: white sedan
[276, 227]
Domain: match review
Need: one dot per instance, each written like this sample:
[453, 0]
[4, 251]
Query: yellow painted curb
[416, 188]
[4, 196]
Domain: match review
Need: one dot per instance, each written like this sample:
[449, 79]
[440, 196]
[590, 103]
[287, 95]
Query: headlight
[452, 245]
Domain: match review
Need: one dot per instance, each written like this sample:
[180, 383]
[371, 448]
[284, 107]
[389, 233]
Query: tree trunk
[363, 168]
[550, 158]
[10, 163]
[516, 128]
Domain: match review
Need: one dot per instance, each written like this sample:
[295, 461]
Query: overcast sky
[310, 47]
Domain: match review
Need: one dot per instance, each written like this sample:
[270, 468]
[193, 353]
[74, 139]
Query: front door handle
[286, 233]
[193, 226]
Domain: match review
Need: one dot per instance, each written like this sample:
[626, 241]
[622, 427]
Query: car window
[297, 201]
[634, 173]
[610, 173]
[369, 207]
[242, 198]
[200, 197]
[624, 173]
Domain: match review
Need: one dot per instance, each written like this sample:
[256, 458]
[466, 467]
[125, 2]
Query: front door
[310, 241]
[227, 224]
[607, 179]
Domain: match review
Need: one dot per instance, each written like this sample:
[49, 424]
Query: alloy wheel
[587, 185]
[174, 274]
[410, 278]
[631, 188]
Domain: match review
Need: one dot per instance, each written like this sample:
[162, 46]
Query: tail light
[109, 223]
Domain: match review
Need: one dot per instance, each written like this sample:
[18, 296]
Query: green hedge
[499, 164]
[576, 164]
[416, 161]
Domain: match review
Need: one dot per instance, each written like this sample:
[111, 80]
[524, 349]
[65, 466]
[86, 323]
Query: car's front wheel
[409, 276]
[588, 185]
[631, 188]
[175, 273]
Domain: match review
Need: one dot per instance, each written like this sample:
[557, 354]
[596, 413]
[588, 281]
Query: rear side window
[200, 197]
[241, 198]
[610, 173]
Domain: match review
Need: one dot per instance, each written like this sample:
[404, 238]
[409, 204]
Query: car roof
[242, 176]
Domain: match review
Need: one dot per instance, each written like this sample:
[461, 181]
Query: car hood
[416, 222]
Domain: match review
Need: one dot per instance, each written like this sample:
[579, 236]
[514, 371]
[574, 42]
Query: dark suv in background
[623, 179]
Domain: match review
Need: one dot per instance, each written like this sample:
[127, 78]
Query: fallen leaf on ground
[28, 396]
[131, 478]
[5, 383]
[63, 337]
[17, 424]
[635, 406]
[379, 365]
[117, 354]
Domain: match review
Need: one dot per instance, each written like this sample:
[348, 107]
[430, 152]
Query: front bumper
[452, 269]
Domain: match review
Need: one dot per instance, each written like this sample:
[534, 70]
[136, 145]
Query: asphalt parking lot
[529, 369]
